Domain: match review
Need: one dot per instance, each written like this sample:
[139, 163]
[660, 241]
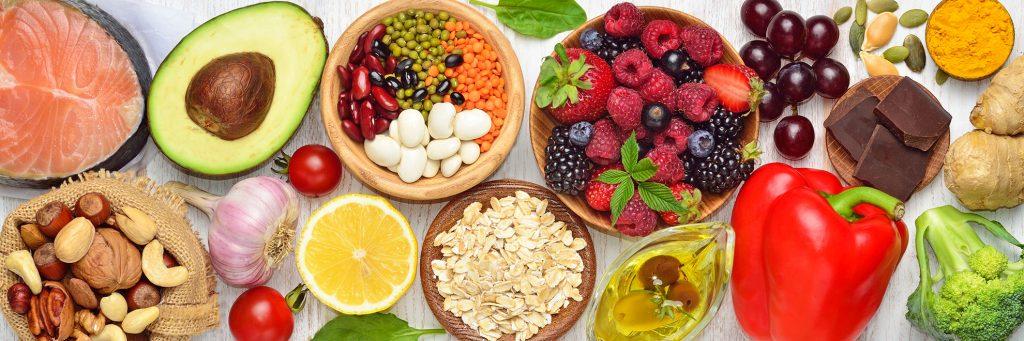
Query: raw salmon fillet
[69, 97]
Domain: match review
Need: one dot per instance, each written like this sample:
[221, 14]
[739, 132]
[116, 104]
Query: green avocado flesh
[281, 31]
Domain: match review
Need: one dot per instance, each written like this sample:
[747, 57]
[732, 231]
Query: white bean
[451, 165]
[469, 151]
[393, 131]
[383, 151]
[431, 169]
[414, 161]
[443, 149]
[472, 124]
[411, 128]
[441, 121]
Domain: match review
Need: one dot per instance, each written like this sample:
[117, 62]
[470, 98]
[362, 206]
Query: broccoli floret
[982, 297]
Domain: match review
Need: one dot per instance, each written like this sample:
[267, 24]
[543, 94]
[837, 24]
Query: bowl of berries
[644, 117]
[422, 100]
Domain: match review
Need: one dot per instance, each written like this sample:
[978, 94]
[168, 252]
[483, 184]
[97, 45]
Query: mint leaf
[659, 197]
[613, 176]
[373, 327]
[630, 152]
[620, 198]
[644, 170]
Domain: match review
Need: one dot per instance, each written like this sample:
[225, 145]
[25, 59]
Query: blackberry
[723, 170]
[612, 47]
[682, 68]
[724, 124]
[567, 168]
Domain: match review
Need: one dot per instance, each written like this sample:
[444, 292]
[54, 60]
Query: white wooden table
[888, 324]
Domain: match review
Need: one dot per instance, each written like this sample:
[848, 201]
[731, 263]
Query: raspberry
[697, 101]
[660, 36]
[624, 106]
[632, 68]
[692, 201]
[604, 145]
[624, 20]
[670, 167]
[599, 194]
[703, 44]
[676, 135]
[658, 87]
[637, 219]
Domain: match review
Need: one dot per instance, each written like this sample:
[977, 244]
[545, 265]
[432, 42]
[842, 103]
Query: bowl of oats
[507, 260]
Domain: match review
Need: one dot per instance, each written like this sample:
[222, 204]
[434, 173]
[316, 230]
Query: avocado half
[284, 33]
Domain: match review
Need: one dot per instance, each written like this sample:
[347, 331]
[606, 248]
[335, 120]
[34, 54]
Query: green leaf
[630, 152]
[613, 176]
[373, 327]
[751, 151]
[548, 71]
[560, 97]
[644, 170]
[573, 92]
[584, 85]
[538, 18]
[659, 197]
[620, 198]
[543, 97]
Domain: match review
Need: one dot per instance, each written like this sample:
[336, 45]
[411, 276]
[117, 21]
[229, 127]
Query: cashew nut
[21, 263]
[114, 307]
[111, 332]
[155, 270]
[137, 320]
[136, 225]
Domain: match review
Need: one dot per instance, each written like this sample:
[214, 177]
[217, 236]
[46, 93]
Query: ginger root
[986, 171]
[1000, 109]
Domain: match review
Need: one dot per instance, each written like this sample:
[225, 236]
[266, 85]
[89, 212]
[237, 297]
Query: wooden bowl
[438, 187]
[845, 164]
[452, 212]
[928, 46]
[541, 123]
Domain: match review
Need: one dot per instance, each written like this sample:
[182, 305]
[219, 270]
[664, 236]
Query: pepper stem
[844, 202]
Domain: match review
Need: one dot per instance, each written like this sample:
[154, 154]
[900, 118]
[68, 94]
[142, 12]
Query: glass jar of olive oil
[667, 286]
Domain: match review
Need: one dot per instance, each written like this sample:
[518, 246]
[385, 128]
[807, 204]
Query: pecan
[35, 316]
[58, 310]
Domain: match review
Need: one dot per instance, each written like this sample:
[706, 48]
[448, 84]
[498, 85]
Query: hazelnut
[142, 295]
[81, 293]
[19, 297]
[170, 261]
[52, 218]
[49, 266]
[32, 236]
[93, 206]
[112, 262]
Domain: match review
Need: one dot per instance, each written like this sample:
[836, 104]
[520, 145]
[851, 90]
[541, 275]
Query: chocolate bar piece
[852, 124]
[913, 115]
[890, 166]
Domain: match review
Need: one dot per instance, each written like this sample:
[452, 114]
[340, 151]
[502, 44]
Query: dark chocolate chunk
[913, 115]
[852, 124]
[890, 166]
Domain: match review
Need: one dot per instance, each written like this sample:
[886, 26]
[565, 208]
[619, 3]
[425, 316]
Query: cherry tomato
[260, 313]
[314, 170]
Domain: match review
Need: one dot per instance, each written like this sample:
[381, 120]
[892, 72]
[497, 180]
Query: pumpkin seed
[862, 12]
[913, 18]
[856, 38]
[916, 57]
[842, 15]
[941, 77]
[882, 6]
[896, 54]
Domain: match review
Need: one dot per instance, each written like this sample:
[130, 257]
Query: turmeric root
[986, 171]
[1000, 109]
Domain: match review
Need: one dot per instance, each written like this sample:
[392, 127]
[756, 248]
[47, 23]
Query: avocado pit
[230, 96]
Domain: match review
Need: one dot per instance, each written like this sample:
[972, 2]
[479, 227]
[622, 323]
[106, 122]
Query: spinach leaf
[373, 327]
[538, 18]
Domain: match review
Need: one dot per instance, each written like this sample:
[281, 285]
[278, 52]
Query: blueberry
[701, 143]
[675, 63]
[591, 39]
[579, 133]
[656, 117]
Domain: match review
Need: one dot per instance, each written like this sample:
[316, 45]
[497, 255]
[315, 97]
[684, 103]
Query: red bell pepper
[812, 259]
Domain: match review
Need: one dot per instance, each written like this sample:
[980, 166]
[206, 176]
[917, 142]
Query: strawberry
[574, 85]
[738, 87]
[690, 198]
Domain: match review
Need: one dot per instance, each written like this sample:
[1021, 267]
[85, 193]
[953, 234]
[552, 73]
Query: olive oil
[665, 290]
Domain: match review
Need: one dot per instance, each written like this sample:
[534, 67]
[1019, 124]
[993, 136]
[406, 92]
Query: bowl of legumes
[422, 100]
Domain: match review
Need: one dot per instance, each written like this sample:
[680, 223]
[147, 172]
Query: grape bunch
[790, 38]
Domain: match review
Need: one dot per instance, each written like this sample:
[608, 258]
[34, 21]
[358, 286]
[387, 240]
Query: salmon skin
[73, 83]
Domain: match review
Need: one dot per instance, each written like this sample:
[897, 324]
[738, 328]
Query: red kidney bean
[383, 99]
[381, 125]
[344, 77]
[389, 65]
[374, 64]
[344, 105]
[366, 120]
[359, 51]
[350, 129]
[375, 33]
[360, 83]
[389, 115]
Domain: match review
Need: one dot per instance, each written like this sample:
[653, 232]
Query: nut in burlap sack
[185, 310]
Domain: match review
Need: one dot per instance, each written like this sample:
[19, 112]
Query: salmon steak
[72, 90]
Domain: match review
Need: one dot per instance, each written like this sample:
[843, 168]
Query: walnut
[112, 263]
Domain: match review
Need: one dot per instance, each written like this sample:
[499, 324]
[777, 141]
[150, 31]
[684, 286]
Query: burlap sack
[186, 310]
